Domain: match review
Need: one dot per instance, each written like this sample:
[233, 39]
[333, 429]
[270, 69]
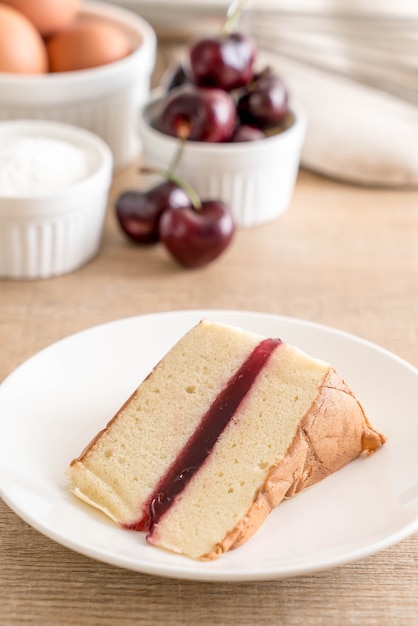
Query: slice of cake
[225, 426]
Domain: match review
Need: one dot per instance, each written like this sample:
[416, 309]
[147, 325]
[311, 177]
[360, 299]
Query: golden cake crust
[315, 453]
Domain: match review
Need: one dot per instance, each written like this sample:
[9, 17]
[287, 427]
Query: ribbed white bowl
[104, 100]
[255, 178]
[56, 232]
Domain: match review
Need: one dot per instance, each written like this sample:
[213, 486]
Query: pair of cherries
[195, 234]
[215, 97]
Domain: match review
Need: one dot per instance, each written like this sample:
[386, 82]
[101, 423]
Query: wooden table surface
[342, 256]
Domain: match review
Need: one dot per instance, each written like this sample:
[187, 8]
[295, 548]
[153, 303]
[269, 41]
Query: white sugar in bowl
[54, 186]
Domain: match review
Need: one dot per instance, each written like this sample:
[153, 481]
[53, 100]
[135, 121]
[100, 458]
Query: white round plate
[54, 403]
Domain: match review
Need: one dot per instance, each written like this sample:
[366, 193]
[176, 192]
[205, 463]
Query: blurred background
[352, 64]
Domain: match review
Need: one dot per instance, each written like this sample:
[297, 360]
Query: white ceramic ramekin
[256, 178]
[104, 100]
[55, 232]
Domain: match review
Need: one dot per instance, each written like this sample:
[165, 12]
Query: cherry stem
[194, 198]
[170, 172]
[177, 155]
[232, 15]
[171, 176]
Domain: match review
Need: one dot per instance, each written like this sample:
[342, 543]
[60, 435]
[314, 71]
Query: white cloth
[353, 66]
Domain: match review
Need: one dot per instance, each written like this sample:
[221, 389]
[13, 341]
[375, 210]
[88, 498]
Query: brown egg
[48, 16]
[22, 50]
[86, 44]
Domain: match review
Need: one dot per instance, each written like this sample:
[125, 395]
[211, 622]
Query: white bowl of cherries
[227, 128]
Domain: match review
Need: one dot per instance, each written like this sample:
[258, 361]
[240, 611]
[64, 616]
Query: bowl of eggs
[87, 64]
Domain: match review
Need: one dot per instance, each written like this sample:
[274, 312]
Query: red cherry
[225, 61]
[244, 132]
[196, 237]
[197, 114]
[265, 102]
[139, 212]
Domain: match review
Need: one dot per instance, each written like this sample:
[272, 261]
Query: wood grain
[342, 256]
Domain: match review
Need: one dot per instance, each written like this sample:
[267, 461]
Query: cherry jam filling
[200, 444]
